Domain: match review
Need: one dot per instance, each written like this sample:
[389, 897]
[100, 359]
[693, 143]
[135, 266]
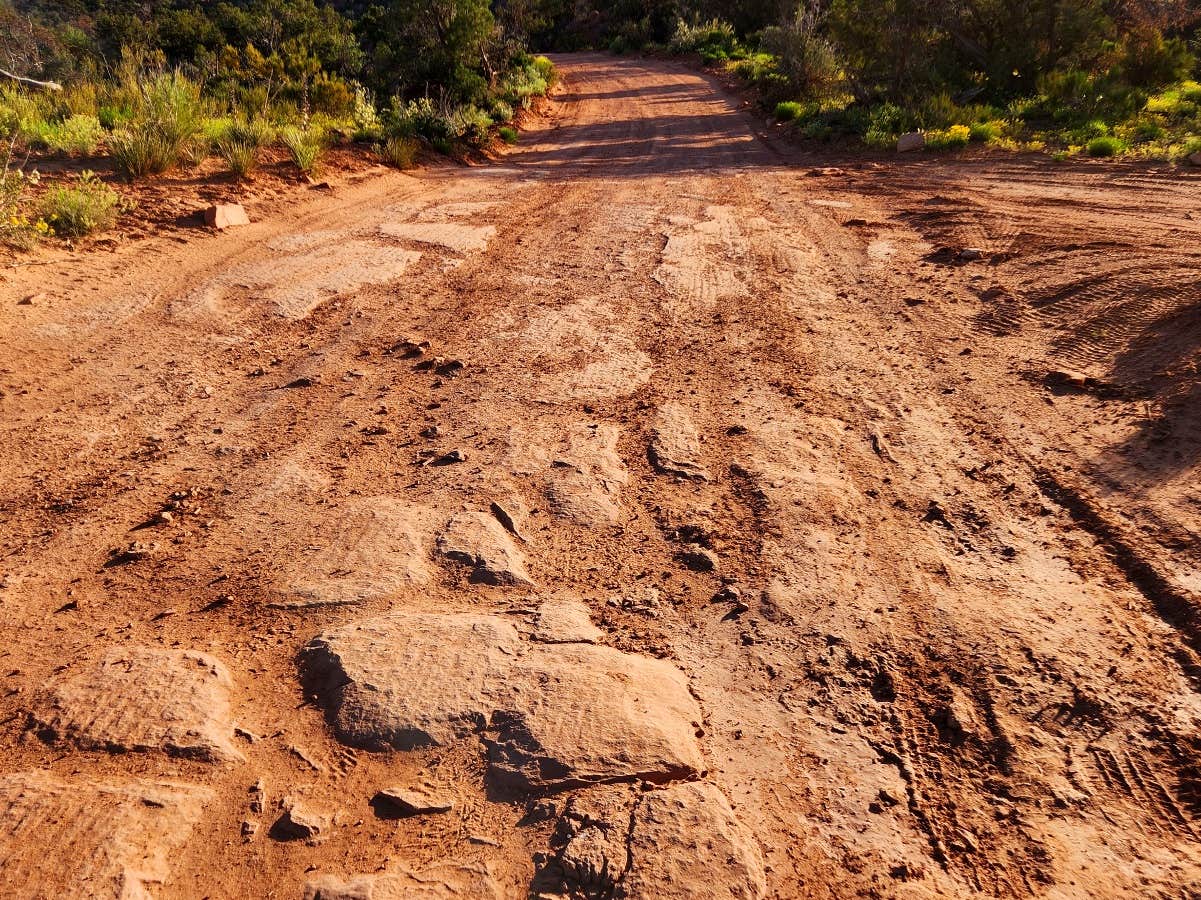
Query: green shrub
[984, 132]
[85, 207]
[789, 111]
[502, 112]
[546, 71]
[1147, 131]
[1106, 145]
[306, 147]
[708, 38]
[508, 135]
[79, 135]
[470, 124]
[952, 138]
[168, 120]
[17, 230]
[417, 118]
[400, 151]
[241, 145]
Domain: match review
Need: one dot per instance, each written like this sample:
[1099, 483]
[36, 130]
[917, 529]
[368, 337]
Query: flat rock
[553, 716]
[225, 215]
[369, 549]
[63, 838]
[582, 471]
[589, 714]
[413, 801]
[914, 140]
[435, 882]
[409, 681]
[142, 699]
[300, 822]
[566, 622]
[675, 445]
[685, 843]
[478, 540]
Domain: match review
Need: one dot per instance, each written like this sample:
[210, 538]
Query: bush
[789, 111]
[508, 135]
[1104, 146]
[417, 117]
[17, 230]
[806, 59]
[306, 147]
[714, 39]
[952, 138]
[241, 145]
[470, 124]
[984, 132]
[502, 112]
[546, 71]
[400, 151]
[167, 122]
[85, 207]
[78, 135]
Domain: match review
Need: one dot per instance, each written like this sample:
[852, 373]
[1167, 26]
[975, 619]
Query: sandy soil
[787, 551]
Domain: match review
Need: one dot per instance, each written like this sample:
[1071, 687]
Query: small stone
[1195, 158]
[249, 829]
[971, 253]
[431, 432]
[914, 140]
[410, 348]
[165, 518]
[300, 823]
[412, 801]
[31, 300]
[699, 559]
[225, 215]
[258, 796]
[728, 594]
[303, 381]
[447, 459]
[539, 811]
[450, 368]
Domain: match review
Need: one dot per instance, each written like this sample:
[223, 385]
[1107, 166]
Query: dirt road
[736, 534]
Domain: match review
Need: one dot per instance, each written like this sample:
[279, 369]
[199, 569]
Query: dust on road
[735, 534]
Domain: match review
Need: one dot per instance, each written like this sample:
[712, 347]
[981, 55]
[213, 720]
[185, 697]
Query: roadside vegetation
[1073, 77]
[134, 91]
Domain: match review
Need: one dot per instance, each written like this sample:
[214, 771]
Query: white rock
[225, 215]
[914, 140]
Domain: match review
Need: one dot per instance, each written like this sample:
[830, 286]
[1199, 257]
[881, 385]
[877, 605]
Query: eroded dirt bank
[734, 535]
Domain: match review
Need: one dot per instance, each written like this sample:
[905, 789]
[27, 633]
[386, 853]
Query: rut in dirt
[660, 511]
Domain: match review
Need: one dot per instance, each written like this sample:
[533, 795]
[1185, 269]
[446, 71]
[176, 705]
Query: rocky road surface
[660, 512]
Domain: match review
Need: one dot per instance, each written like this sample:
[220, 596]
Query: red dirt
[917, 531]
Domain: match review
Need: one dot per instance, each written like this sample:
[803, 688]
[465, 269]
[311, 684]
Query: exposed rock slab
[409, 681]
[371, 549]
[686, 843]
[676, 445]
[435, 882]
[478, 540]
[592, 714]
[566, 622]
[555, 716]
[452, 235]
[140, 699]
[583, 472]
[63, 839]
